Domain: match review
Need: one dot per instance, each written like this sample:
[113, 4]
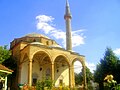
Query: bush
[41, 85]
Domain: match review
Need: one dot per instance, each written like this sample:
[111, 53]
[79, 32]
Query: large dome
[36, 35]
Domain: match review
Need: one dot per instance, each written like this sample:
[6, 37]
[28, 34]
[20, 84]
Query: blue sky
[95, 23]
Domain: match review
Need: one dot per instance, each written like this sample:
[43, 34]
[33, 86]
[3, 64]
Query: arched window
[47, 42]
[47, 73]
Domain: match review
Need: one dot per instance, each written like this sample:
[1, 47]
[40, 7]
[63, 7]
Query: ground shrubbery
[110, 83]
[47, 85]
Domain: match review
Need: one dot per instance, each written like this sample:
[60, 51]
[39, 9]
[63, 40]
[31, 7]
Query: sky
[95, 24]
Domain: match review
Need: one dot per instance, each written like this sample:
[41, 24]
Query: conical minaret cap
[67, 11]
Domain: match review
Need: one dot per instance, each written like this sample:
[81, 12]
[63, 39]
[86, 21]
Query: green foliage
[110, 82]
[4, 53]
[48, 83]
[79, 77]
[7, 60]
[65, 88]
[89, 75]
[108, 65]
[11, 63]
[40, 85]
[117, 87]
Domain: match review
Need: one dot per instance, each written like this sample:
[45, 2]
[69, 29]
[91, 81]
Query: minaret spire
[67, 12]
[68, 18]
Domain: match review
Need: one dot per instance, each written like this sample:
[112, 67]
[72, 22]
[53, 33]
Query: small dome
[37, 43]
[36, 35]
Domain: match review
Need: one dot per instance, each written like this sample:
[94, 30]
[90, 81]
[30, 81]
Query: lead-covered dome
[36, 39]
[36, 35]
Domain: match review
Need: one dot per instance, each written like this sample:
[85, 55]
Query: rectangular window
[60, 82]
[34, 81]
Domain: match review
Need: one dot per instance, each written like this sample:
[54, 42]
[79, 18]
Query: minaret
[67, 18]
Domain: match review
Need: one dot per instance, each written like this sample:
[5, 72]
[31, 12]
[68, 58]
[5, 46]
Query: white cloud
[45, 24]
[44, 18]
[78, 66]
[77, 40]
[117, 51]
[91, 66]
[59, 34]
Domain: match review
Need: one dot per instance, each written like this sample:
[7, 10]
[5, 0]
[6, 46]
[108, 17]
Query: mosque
[40, 57]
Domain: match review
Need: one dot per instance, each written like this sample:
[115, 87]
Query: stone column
[73, 76]
[30, 73]
[5, 82]
[84, 75]
[53, 74]
[70, 77]
[19, 76]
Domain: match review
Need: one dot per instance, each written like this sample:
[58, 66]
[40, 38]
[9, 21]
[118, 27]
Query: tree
[79, 77]
[4, 53]
[11, 63]
[7, 60]
[89, 75]
[108, 65]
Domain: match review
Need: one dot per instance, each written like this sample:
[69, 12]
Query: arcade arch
[24, 69]
[61, 67]
[77, 66]
[41, 65]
